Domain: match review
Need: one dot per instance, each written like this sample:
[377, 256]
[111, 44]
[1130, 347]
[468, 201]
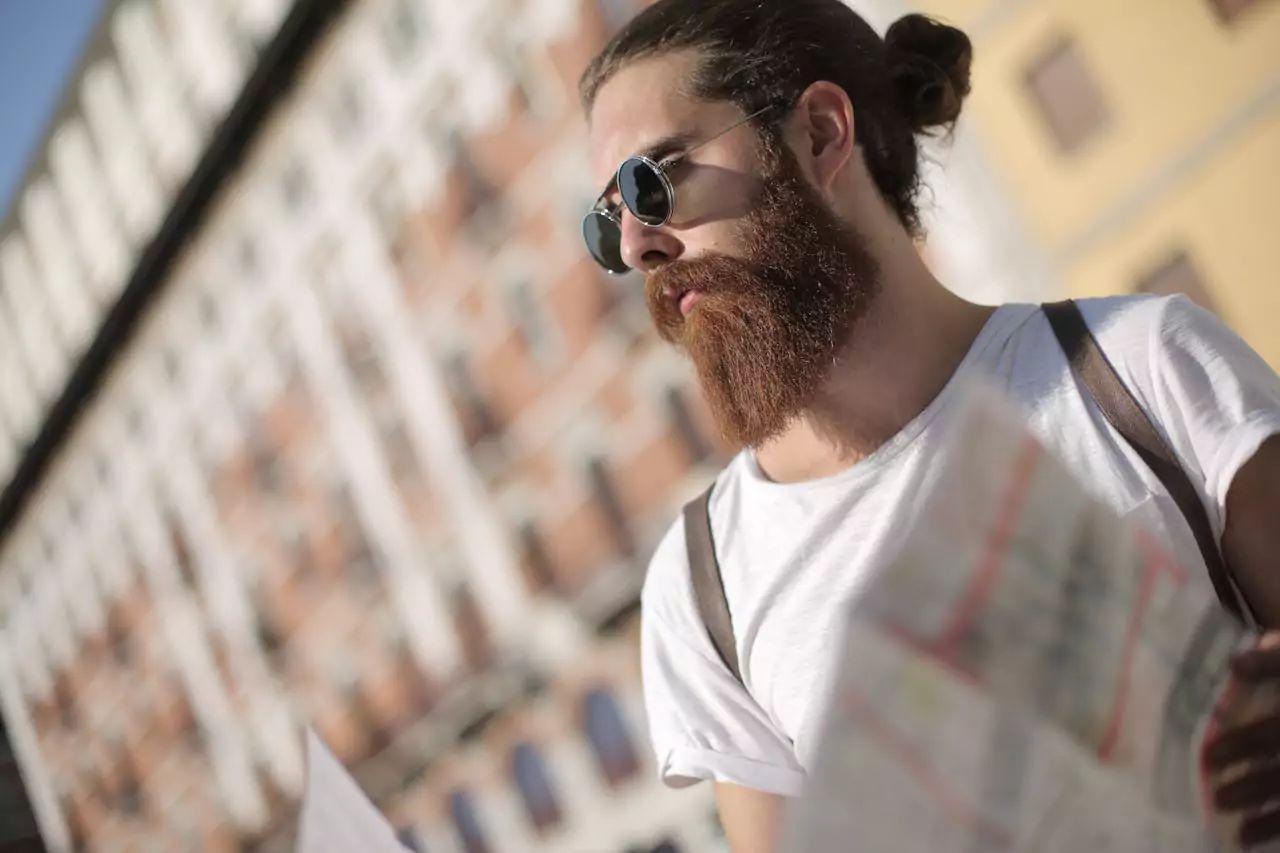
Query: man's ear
[824, 132]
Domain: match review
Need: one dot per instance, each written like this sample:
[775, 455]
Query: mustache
[702, 273]
[710, 275]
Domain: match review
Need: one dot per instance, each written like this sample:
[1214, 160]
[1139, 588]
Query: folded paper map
[1032, 674]
[336, 816]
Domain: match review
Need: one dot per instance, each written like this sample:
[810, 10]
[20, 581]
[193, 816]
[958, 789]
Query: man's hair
[759, 53]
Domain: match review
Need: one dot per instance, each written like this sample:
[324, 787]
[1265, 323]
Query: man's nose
[645, 248]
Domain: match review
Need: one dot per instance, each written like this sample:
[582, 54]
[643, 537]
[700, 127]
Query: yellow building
[1140, 142]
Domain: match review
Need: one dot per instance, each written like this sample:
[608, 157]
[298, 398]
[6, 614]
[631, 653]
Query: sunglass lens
[604, 241]
[644, 192]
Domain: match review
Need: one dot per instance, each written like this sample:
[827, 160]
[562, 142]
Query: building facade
[313, 411]
[1138, 142]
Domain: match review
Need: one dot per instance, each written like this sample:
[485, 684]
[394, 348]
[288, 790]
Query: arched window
[686, 425]
[535, 786]
[608, 735]
[410, 840]
[462, 811]
[608, 500]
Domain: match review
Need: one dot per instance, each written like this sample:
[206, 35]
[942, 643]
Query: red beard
[770, 324]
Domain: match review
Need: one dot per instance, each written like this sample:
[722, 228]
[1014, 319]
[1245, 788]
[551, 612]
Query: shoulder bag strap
[1118, 405]
[708, 586]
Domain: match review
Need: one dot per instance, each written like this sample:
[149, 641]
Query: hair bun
[930, 68]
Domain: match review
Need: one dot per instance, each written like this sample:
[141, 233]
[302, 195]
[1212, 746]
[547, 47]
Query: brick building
[314, 411]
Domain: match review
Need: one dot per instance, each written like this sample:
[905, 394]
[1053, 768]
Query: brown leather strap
[1118, 405]
[708, 586]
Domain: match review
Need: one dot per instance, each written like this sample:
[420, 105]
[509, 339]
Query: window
[1229, 10]
[85, 200]
[296, 187]
[403, 30]
[64, 701]
[364, 573]
[210, 317]
[76, 824]
[185, 721]
[360, 564]
[387, 202]
[265, 464]
[129, 799]
[522, 75]
[402, 455]
[120, 145]
[1176, 275]
[478, 420]
[347, 108]
[285, 355]
[361, 356]
[172, 362]
[410, 840]
[472, 632]
[1067, 95]
[248, 257]
[181, 553]
[479, 194]
[605, 494]
[537, 561]
[118, 636]
[466, 822]
[535, 787]
[269, 637]
[685, 425]
[136, 423]
[177, 717]
[103, 470]
[530, 318]
[409, 674]
[367, 717]
[607, 733]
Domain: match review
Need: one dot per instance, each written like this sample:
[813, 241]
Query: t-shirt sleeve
[703, 724]
[1217, 400]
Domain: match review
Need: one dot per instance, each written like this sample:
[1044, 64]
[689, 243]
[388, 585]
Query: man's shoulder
[1125, 327]
[668, 588]
[1128, 320]
[1137, 331]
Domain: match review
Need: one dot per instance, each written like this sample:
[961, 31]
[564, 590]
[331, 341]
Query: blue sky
[40, 41]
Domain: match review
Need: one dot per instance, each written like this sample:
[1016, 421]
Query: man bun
[930, 64]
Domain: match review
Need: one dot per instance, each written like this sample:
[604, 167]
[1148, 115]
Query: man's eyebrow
[667, 145]
[661, 147]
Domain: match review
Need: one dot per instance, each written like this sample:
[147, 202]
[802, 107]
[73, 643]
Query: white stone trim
[36, 777]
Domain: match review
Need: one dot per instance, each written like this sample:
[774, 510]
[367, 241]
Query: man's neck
[900, 356]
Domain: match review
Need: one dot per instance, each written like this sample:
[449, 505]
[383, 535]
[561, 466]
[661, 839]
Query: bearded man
[760, 168]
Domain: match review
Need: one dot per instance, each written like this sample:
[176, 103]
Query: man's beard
[770, 324]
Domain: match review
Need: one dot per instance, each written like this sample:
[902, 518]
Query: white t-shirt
[792, 555]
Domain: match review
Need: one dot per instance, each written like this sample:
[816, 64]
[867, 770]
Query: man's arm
[750, 818]
[1243, 757]
[1251, 540]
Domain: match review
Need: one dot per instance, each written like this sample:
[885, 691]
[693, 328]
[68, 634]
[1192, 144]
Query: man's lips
[687, 300]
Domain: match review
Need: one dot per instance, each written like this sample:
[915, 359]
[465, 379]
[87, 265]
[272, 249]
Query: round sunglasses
[646, 189]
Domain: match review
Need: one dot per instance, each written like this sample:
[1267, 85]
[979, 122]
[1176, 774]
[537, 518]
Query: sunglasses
[646, 190]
